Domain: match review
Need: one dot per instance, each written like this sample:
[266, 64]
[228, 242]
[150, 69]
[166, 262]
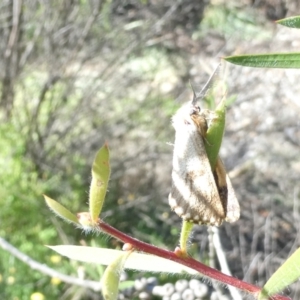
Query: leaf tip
[60, 210]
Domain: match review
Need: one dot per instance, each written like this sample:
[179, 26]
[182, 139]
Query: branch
[33, 264]
[222, 260]
[186, 261]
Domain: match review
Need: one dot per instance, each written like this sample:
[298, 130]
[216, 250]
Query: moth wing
[233, 207]
[194, 195]
[232, 204]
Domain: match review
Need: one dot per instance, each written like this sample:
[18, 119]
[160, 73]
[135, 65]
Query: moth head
[199, 120]
[195, 110]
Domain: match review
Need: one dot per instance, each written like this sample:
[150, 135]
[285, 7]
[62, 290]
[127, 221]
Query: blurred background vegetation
[74, 74]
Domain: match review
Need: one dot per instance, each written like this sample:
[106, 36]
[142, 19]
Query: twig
[186, 261]
[33, 264]
[223, 262]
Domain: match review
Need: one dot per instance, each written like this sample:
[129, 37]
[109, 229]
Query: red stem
[186, 261]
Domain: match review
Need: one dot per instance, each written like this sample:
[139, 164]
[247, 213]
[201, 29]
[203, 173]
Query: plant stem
[186, 261]
[186, 228]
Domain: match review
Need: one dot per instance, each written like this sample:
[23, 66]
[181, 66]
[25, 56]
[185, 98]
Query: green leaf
[272, 60]
[111, 277]
[285, 275]
[100, 177]
[60, 210]
[292, 22]
[215, 134]
[230, 100]
[136, 261]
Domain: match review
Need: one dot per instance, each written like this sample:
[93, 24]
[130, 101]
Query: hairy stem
[186, 261]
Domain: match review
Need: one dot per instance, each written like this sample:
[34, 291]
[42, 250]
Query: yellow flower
[55, 259]
[55, 281]
[37, 296]
[10, 280]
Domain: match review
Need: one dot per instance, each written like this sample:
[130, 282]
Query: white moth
[198, 194]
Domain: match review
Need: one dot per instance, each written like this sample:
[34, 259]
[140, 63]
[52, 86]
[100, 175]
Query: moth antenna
[194, 101]
[206, 87]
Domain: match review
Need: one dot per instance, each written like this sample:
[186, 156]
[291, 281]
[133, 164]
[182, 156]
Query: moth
[199, 194]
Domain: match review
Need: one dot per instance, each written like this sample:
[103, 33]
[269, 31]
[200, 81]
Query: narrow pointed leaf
[273, 60]
[100, 177]
[215, 134]
[136, 261]
[60, 210]
[292, 22]
[285, 275]
[111, 277]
